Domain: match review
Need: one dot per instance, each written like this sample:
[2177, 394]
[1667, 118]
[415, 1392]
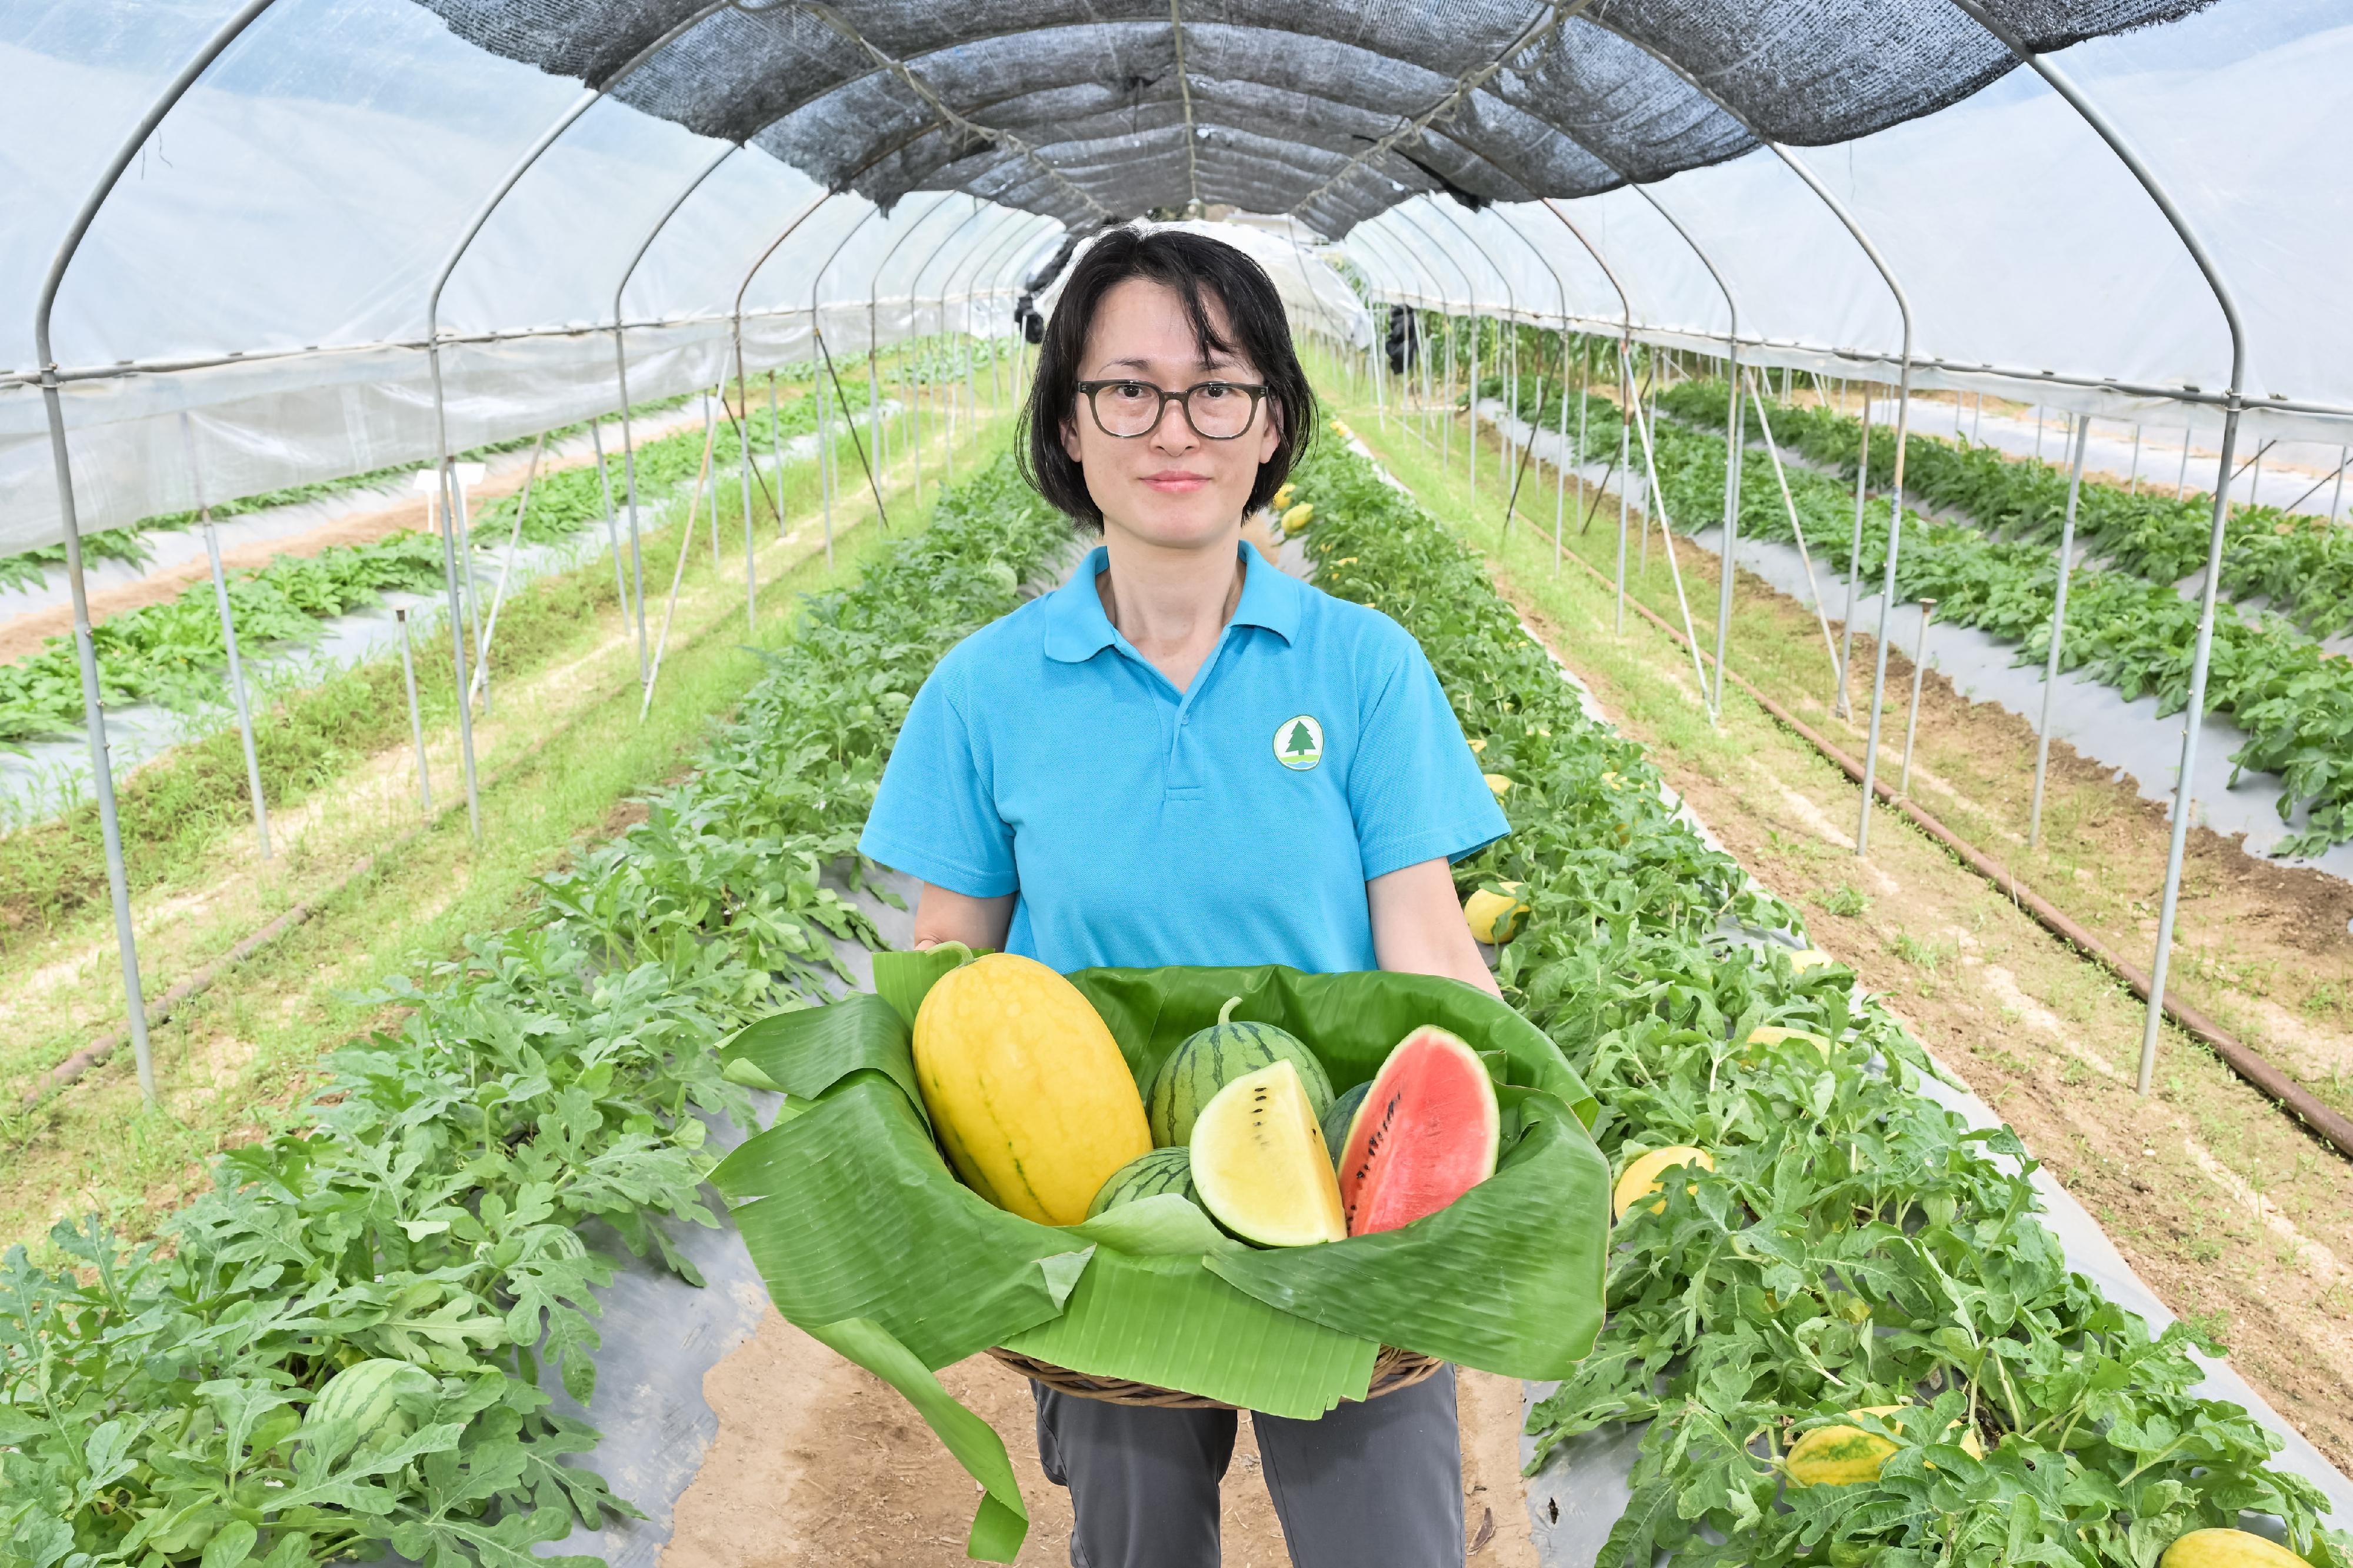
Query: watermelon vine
[446, 1201]
[1855, 1244]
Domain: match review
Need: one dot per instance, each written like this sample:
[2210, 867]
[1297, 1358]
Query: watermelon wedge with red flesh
[1428, 1133]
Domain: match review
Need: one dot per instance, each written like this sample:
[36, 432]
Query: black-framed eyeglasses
[1217, 410]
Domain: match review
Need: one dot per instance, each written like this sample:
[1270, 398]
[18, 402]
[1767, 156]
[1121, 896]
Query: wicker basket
[1392, 1370]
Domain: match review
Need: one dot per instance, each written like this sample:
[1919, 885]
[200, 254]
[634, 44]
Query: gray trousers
[1375, 1483]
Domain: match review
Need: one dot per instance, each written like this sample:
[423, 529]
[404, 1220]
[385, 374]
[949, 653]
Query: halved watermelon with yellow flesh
[1429, 1133]
[1259, 1164]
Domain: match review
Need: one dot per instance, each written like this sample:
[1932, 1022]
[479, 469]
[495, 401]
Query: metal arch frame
[1633, 410]
[990, 265]
[1625, 375]
[914, 320]
[816, 337]
[1438, 292]
[93, 701]
[1471, 295]
[1007, 281]
[787, 233]
[523, 165]
[1733, 435]
[1471, 303]
[1560, 464]
[1419, 278]
[1903, 413]
[2234, 404]
[873, 339]
[1512, 307]
[621, 376]
[980, 259]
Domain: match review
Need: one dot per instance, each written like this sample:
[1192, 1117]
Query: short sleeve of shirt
[1414, 782]
[934, 818]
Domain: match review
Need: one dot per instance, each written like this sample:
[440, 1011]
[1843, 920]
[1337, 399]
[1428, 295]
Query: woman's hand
[1418, 928]
[944, 916]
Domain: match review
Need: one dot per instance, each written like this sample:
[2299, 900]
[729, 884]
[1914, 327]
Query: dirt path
[2235, 1217]
[818, 1461]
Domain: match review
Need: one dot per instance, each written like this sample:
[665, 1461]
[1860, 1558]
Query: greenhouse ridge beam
[2201, 659]
[118, 879]
[1464, 85]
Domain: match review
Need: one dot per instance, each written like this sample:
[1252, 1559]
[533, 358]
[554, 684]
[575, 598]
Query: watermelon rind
[1146, 1177]
[1341, 1118]
[1386, 1125]
[1210, 1059]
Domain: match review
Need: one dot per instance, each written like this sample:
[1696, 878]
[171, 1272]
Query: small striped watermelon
[1341, 1117]
[1214, 1056]
[364, 1395]
[1147, 1176]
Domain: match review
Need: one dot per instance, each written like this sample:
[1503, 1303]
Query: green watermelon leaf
[905, 979]
[805, 1051]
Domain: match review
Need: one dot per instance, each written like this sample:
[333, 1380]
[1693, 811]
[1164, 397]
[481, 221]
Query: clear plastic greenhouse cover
[267, 260]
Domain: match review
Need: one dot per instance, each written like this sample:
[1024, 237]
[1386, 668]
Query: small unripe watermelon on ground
[1428, 1132]
[2228, 1549]
[1213, 1058]
[1147, 1176]
[1341, 1118]
[363, 1396]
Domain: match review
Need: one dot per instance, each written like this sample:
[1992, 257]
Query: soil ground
[818, 1460]
[2238, 1219]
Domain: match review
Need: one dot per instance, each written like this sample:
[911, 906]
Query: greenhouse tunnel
[259, 245]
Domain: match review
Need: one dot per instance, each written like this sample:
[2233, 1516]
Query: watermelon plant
[338, 1352]
[170, 653]
[1853, 1246]
[2136, 634]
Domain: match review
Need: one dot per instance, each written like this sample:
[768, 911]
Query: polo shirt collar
[1077, 630]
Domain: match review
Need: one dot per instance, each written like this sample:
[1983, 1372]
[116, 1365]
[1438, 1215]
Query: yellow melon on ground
[1499, 783]
[1642, 1176]
[1807, 958]
[1774, 1033]
[1848, 1456]
[1027, 1088]
[2228, 1549]
[1496, 917]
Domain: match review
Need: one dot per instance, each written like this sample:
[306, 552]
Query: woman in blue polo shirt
[1185, 756]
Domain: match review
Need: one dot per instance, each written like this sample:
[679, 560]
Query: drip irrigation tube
[2327, 1125]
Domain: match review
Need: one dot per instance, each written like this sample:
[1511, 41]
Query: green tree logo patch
[1299, 743]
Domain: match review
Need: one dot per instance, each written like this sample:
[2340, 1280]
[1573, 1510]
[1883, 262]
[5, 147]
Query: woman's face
[1170, 487]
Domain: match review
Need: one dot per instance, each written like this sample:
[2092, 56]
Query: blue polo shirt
[1233, 822]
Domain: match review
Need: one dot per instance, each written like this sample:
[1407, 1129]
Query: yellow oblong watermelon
[1025, 1087]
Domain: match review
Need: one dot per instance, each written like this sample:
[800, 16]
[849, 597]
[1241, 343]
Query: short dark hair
[1193, 265]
